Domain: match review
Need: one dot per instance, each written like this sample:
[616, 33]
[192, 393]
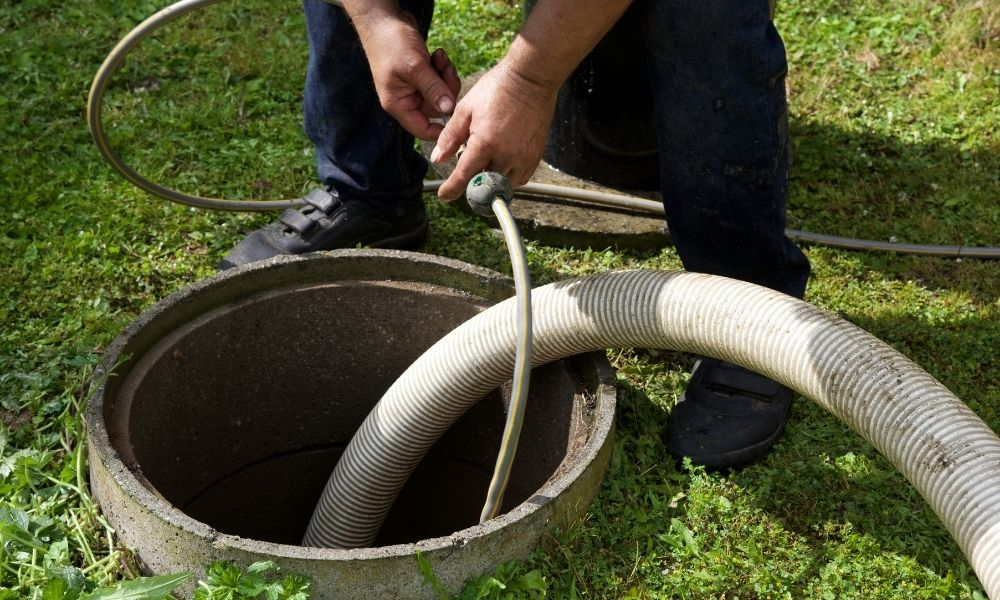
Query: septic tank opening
[238, 417]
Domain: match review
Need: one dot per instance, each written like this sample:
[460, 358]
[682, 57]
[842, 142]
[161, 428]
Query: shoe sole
[736, 458]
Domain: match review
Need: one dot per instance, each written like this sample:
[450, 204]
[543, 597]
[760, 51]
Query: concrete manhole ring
[224, 407]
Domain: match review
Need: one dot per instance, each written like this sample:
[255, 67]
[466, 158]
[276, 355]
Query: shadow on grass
[865, 184]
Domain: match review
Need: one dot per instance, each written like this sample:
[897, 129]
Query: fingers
[452, 137]
[442, 64]
[449, 74]
[476, 158]
[410, 116]
[432, 87]
[520, 177]
[434, 84]
[472, 162]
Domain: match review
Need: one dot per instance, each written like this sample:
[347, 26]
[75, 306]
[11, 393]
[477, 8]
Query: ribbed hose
[942, 447]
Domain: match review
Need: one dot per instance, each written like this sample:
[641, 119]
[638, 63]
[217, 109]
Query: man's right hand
[412, 85]
[503, 122]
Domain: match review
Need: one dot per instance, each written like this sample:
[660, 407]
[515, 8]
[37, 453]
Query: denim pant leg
[717, 70]
[361, 151]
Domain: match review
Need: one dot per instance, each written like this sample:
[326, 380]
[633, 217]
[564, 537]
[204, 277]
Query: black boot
[326, 223]
[727, 417]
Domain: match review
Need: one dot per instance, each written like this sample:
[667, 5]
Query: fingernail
[446, 104]
[435, 154]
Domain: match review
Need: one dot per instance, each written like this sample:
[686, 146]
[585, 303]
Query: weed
[894, 122]
[226, 581]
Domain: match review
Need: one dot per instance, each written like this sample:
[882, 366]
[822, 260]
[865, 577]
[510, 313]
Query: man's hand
[503, 122]
[412, 85]
[504, 119]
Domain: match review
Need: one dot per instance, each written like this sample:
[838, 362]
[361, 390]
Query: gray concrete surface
[226, 405]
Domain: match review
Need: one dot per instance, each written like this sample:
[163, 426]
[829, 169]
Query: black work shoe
[727, 417]
[326, 222]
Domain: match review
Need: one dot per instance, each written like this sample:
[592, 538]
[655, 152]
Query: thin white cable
[522, 361]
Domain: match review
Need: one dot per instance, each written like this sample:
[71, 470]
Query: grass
[894, 116]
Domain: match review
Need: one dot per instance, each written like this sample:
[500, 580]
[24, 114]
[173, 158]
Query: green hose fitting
[486, 187]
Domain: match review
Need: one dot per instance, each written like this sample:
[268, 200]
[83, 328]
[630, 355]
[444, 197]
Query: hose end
[484, 188]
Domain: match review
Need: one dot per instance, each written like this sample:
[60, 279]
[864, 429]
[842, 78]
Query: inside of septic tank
[238, 417]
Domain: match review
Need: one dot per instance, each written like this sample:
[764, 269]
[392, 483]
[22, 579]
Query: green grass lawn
[895, 109]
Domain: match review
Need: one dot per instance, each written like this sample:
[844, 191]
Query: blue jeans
[360, 150]
[717, 72]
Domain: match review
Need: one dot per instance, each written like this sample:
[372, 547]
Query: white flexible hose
[522, 363]
[114, 60]
[942, 447]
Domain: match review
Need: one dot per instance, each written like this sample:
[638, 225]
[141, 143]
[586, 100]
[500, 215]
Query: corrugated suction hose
[942, 447]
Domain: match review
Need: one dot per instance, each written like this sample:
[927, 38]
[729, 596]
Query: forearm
[369, 15]
[363, 10]
[557, 35]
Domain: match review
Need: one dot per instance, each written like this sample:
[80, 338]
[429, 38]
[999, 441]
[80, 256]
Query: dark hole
[238, 418]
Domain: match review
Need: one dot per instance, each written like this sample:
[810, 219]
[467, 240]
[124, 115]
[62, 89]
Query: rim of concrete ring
[602, 420]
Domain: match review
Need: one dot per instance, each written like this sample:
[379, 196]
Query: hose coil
[939, 445]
